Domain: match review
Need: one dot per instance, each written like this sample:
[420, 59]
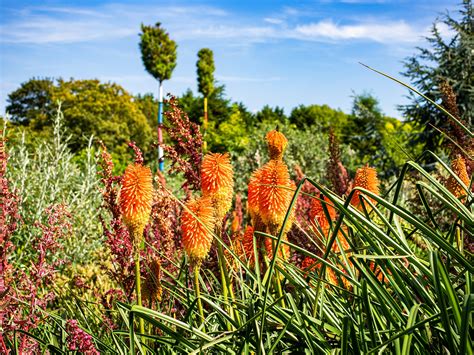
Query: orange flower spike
[292, 216]
[284, 250]
[197, 229]
[274, 192]
[317, 213]
[366, 177]
[136, 197]
[216, 173]
[309, 264]
[458, 166]
[378, 272]
[253, 194]
[247, 246]
[277, 144]
[344, 244]
[217, 181]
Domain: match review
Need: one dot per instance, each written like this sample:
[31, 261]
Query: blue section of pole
[161, 159]
[160, 137]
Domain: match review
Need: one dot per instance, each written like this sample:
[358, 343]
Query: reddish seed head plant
[186, 152]
[336, 172]
[79, 340]
[24, 295]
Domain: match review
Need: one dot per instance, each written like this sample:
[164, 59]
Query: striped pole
[161, 159]
[204, 126]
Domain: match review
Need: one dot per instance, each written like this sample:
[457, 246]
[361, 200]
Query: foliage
[158, 52]
[49, 174]
[271, 115]
[231, 135]
[321, 116]
[303, 147]
[32, 102]
[446, 59]
[105, 111]
[205, 71]
[377, 139]
[219, 106]
[148, 105]
[90, 108]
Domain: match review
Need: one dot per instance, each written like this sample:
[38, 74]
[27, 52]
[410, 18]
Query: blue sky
[283, 53]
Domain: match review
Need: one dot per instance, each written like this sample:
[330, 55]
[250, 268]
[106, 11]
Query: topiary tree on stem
[205, 71]
[159, 57]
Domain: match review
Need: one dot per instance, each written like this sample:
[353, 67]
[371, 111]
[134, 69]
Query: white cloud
[386, 32]
[230, 78]
[446, 32]
[273, 21]
[42, 25]
[58, 25]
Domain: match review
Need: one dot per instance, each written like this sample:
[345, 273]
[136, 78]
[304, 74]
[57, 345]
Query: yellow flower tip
[136, 197]
[366, 178]
[277, 144]
[216, 173]
[317, 214]
[458, 166]
[221, 201]
[197, 223]
[275, 190]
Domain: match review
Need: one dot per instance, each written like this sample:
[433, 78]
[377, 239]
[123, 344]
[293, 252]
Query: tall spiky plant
[159, 58]
[205, 72]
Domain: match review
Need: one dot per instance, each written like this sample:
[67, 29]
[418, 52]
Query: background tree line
[108, 112]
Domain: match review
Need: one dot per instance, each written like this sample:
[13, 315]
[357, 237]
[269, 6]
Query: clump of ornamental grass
[44, 172]
[26, 292]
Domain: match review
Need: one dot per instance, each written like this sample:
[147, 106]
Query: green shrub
[47, 173]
